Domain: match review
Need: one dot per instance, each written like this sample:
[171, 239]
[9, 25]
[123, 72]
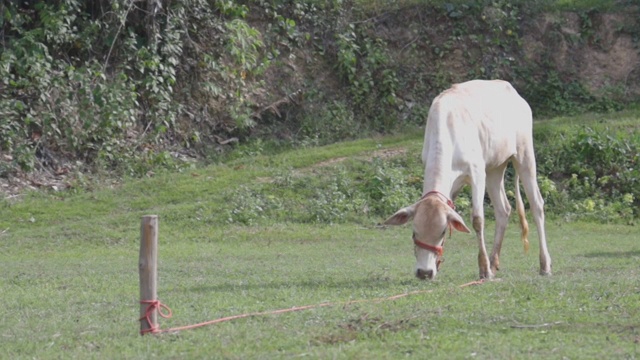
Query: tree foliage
[127, 84]
[106, 82]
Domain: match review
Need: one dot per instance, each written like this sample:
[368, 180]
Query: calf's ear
[401, 216]
[455, 220]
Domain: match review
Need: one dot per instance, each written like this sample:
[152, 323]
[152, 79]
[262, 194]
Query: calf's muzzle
[424, 274]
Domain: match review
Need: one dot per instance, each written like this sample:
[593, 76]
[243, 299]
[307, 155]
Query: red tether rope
[157, 305]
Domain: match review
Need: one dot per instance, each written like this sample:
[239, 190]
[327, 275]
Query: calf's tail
[524, 225]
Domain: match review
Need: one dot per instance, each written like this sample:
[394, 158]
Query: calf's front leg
[478, 225]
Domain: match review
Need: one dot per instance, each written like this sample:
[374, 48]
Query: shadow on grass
[613, 254]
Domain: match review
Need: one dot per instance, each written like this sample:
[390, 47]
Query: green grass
[69, 280]
[82, 302]
[621, 121]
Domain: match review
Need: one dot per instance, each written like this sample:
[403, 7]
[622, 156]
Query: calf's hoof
[486, 275]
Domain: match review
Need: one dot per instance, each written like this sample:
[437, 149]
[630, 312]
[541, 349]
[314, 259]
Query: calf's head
[432, 219]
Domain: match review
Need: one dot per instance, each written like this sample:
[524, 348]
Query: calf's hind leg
[527, 172]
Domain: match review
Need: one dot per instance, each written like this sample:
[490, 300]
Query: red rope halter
[436, 249]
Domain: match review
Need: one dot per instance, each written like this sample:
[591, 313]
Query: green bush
[584, 174]
[249, 205]
[389, 186]
[337, 202]
[595, 172]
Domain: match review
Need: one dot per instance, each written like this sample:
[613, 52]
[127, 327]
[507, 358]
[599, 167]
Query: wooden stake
[148, 268]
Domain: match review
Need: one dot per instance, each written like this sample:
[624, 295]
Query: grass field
[69, 279]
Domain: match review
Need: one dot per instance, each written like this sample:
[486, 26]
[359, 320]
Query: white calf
[474, 130]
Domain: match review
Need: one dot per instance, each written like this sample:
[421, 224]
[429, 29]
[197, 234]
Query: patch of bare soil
[49, 175]
[14, 186]
[613, 59]
[382, 154]
[603, 56]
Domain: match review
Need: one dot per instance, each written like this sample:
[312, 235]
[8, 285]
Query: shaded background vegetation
[132, 86]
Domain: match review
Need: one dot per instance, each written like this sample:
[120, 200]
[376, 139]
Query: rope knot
[154, 305]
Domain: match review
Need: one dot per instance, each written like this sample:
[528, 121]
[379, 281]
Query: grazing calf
[473, 131]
